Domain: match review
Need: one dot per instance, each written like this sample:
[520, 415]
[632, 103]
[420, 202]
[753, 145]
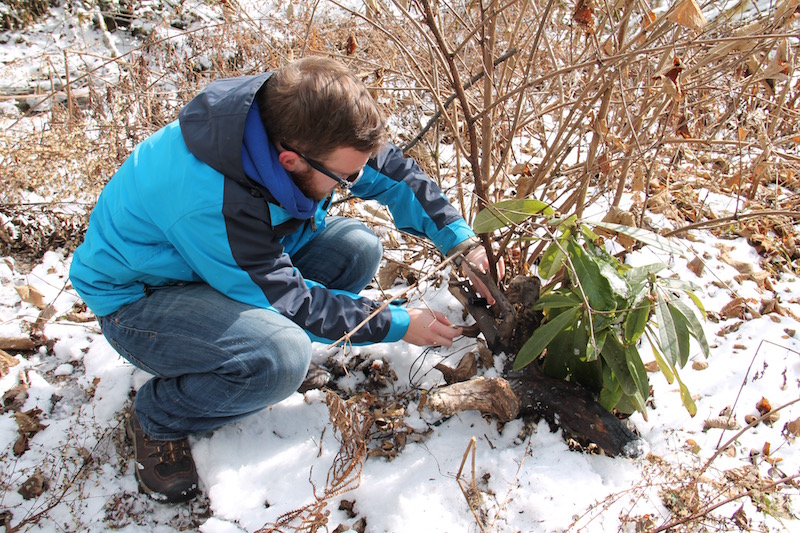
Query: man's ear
[289, 160]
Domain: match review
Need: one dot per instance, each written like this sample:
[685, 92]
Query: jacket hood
[213, 122]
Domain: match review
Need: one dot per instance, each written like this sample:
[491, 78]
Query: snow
[254, 471]
[276, 461]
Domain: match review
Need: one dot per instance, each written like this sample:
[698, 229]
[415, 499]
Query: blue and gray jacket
[182, 208]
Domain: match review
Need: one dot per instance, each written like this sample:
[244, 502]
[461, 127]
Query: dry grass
[562, 101]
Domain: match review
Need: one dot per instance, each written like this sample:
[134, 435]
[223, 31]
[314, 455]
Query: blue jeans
[217, 360]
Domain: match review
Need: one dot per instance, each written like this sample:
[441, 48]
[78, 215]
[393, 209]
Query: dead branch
[488, 395]
[706, 510]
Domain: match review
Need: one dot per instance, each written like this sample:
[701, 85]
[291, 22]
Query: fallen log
[574, 409]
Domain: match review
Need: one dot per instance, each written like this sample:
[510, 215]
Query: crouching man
[211, 263]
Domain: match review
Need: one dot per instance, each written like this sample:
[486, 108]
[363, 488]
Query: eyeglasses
[344, 182]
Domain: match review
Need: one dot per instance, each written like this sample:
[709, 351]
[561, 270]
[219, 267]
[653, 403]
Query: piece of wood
[573, 408]
[488, 395]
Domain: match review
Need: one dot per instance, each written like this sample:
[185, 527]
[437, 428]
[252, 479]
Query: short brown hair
[318, 105]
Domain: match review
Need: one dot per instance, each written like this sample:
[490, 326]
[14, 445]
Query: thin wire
[414, 377]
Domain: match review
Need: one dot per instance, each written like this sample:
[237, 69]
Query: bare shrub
[19, 13]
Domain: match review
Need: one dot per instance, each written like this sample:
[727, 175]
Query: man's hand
[428, 328]
[477, 257]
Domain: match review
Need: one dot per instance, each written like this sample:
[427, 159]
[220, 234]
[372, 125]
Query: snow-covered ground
[255, 471]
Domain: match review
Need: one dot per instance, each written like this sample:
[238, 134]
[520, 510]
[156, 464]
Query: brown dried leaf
[742, 133]
[682, 128]
[28, 421]
[485, 355]
[619, 216]
[638, 180]
[647, 20]
[763, 406]
[80, 313]
[6, 361]
[689, 15]
[352, 45]
[21, 445]
[30, 294]
[734, 309]
[17, 343]
[721, 423]
[584, 15]
[773, 460]
[520, 169]
[466, 369]
[34, 486]
[389, 274]
[29, 425]
[793, 427]
[671, 79]
[651, 366]
[14, 398]
[37, 329]
[740, 519]
[697, 266]
[347, 506]
[743, 267]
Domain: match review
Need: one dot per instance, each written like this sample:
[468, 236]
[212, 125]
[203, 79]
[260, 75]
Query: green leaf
[636, 320]
[637, 276]
[679, 284]
[665, 368]
[639, 403]
[609, 269]
[681, 332]
[593, 349]
[666, 331]
[588, 234]
[557, 300]
[695, 327]
[642, 235]
[553, 257]
[551, 261]
[686, 396]
[566, 358]
[614, 355]
[636, 368]
[542, 337]
[508, 213]
[594, 284]
[697, 302]
[611, 392]
[601, 321]
[627, 405]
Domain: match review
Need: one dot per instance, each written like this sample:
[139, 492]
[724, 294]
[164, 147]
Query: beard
[307, 185]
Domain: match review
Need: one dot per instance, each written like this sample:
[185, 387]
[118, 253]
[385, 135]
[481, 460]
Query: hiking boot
[164, 468]
[316, 378]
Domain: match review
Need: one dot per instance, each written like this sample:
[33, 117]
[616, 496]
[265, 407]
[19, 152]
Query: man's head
[317, 105]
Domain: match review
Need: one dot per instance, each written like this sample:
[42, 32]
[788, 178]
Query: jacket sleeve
[416, 202]
[242, 258]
